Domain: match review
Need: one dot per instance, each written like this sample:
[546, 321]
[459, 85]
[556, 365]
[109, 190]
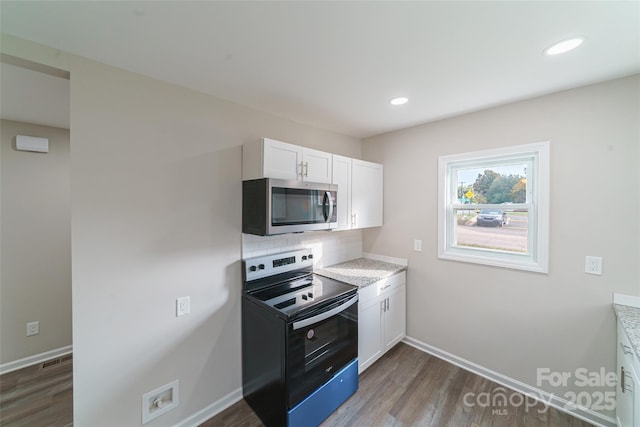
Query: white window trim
[537, 259]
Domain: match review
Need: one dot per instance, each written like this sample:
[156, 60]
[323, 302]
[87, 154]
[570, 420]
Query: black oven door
[319, 345]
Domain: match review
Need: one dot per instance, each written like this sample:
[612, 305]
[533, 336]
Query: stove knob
[304, 297]
[304, 257]
[310, 294]
[252, 268]
[261, 266]
[310, 256]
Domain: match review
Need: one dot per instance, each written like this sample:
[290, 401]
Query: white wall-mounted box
[159, 401]
[32, 143]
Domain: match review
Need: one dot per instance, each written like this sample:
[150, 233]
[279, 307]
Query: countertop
[630, 319]
[360, 272]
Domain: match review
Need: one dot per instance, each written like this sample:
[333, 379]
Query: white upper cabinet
[316, 165]
[342, 178]
[269, 158]
[281, 160]
[359, 192]
[359, 182]
[366, 194]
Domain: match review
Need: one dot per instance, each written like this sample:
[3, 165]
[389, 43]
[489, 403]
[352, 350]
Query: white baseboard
[211, 410]
[558, 403]
[36, 358]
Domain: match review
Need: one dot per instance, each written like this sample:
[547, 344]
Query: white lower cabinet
[369, 333]
[395, 317]
[636, 398]
[381, 318]
[627, 389]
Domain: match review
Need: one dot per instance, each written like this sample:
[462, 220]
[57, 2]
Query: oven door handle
[322, 316]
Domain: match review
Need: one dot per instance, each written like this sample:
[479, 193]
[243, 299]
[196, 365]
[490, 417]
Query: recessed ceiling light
[564, 46]
[399, 101]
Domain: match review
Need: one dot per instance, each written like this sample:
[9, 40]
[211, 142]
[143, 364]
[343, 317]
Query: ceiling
[335, 65]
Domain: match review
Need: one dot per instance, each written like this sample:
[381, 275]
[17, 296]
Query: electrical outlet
[593, 265]
[33, 328]
[183, 306]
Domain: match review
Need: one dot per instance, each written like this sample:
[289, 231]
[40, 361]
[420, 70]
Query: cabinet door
[341, 176]
[395, 320]
[317, 166]
[282, 160]
[636, 395]
[369, 333]
[366, 193]
[625, 387]
[625, 410]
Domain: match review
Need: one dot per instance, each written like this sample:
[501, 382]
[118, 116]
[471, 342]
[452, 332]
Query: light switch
[33, 328]
[417, 245]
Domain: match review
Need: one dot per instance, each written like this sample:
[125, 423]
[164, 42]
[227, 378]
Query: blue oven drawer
[316, 407]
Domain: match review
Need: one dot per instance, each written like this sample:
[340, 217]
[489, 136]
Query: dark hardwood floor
[408, 387]
[37, 396]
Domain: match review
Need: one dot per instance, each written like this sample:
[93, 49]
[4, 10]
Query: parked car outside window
[492, 217]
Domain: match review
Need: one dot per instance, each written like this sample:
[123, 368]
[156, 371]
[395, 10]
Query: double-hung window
[493, 207]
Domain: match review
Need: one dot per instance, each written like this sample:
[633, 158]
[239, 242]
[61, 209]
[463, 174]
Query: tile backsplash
[329, 247]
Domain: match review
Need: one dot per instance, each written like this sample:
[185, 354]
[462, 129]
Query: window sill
[507, 262]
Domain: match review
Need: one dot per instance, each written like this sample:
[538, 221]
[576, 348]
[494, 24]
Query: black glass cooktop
[295, 296]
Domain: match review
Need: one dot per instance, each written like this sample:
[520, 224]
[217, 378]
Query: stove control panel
[269, 265]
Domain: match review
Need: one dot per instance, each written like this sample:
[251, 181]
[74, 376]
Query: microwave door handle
[322, 316]
[330, 206]
[327, 200]
[324, 206]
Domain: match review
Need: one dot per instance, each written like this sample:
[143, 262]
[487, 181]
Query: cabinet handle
[306, 169]
[301, 169]
[628, 387]
[354, 220]
[385, 287]
[624, 386]
[625, 349]
[385, 305]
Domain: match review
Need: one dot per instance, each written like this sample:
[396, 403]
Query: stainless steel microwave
[274, 206]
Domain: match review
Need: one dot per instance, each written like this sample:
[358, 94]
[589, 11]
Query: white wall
[513, 321]
[156, 215]
[35, 260]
